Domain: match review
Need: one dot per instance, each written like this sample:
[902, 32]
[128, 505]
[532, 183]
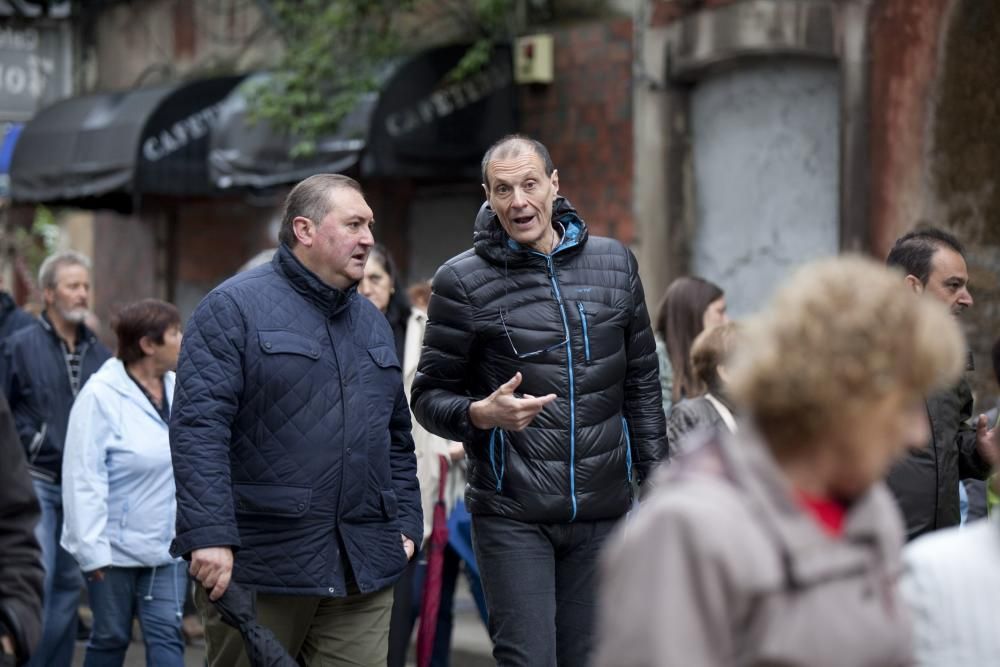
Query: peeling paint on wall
[766, 162]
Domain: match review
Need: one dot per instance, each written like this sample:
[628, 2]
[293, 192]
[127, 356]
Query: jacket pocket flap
[272, 499]
[384, 356]
[390, 506]
[288, 342]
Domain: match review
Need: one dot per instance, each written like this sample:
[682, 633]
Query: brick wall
[585, 119]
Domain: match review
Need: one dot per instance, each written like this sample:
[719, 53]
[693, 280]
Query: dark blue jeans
[156, 596]
[540, 582]
[62, 583]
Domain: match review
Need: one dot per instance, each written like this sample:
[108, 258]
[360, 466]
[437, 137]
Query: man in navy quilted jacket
[291, 442]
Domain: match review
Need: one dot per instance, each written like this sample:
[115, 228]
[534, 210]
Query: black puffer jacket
[582, 309]
[925, 483]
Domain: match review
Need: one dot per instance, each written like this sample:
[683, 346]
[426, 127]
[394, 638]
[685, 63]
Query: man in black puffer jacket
[538, 355]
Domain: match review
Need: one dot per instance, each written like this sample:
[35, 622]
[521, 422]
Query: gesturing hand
[986, 440]
[212, 567]
[502, 408]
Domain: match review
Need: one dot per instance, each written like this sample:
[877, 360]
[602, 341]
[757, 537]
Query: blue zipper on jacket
[628, 451]
[572, 382]
[586, 334]
[503, 458]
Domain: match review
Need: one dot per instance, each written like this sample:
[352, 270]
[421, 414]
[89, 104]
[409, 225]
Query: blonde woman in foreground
[780, 545]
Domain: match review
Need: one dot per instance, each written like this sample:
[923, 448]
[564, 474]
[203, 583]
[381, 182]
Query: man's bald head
[515, 145]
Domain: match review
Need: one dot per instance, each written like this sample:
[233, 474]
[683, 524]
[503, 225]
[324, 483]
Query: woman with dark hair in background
[689, 306]
[118, 491]
[381, 286]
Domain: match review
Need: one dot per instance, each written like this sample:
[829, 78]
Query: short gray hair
[50, 267]
[515, 145]
[311, 199]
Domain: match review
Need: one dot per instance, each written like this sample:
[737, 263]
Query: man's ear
[486, 192]
[914, 284]
[304, 230]
[555, 183]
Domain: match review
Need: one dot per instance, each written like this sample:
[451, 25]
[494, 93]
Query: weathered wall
[935, 132]
[585, 119]
[766, 160]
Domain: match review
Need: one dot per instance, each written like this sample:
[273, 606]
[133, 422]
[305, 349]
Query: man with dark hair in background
[926, 482]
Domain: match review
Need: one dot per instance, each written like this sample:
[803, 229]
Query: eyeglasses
[528, 355]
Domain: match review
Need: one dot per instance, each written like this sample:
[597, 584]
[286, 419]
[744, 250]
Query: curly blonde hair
[842, 334]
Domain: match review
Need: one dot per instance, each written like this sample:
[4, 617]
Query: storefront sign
[35, 68]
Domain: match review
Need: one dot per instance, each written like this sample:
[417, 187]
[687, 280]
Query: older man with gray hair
[43, 367]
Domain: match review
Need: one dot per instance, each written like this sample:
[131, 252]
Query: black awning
[419, 125]
[106, 150]
[244, 153]
[426, 126]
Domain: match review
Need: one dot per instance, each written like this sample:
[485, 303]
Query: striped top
[73, 361]
[952, 584]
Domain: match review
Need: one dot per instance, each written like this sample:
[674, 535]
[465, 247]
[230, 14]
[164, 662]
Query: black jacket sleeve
[21, 573]
[643, 404]
[440, 397]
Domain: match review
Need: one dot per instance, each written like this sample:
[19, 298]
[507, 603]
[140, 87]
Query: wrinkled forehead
[70, 272]
[515, 166]
[348, 203]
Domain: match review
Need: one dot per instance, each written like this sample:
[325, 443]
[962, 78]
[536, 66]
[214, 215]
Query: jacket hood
[492, 242]
[326, 298]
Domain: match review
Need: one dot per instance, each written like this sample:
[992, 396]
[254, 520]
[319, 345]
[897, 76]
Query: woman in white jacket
[118, 491]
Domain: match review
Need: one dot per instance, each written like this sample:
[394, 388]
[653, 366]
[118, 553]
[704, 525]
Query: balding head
[515, 145]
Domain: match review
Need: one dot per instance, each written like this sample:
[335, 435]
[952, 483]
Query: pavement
[470, 645]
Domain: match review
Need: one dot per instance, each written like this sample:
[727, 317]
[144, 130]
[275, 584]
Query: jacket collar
[328, 299]
[83, 334]
[115, 375]
[808, 553]
[493, 244]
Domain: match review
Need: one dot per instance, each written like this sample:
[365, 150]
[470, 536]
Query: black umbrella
[238, 608]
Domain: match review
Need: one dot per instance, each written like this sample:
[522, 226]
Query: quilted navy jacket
[290, 435]
[574, 323]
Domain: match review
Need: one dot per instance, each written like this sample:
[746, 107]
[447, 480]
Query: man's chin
[75, 316]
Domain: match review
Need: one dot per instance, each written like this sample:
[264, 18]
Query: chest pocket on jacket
[384, 357]
[288, 342]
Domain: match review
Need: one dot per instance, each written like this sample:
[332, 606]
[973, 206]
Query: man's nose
[368, 239]
[518, 200]
[965, 298]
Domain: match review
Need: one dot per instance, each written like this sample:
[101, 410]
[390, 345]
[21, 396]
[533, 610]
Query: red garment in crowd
[829, 514]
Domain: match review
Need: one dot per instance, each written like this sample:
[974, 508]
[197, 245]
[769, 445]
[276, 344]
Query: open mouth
[523, 220]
